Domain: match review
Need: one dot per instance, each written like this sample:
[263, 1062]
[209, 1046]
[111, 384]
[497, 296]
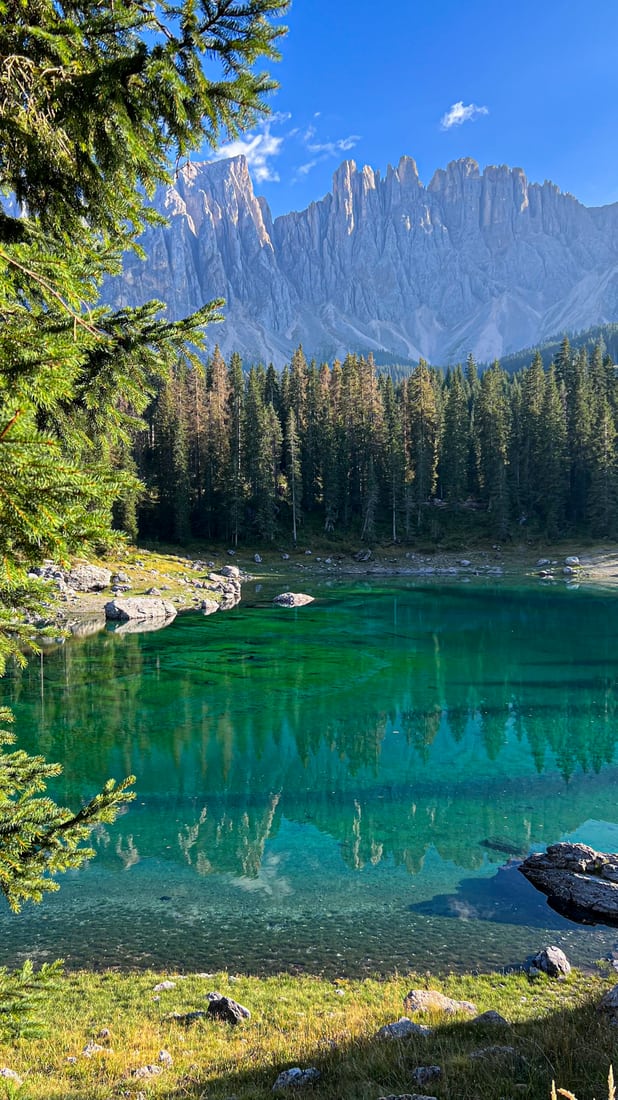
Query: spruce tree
[97, 103]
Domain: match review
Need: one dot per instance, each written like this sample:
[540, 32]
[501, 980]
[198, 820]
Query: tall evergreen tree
[97, 101]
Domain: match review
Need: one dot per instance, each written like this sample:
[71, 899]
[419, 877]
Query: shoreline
[180, 576]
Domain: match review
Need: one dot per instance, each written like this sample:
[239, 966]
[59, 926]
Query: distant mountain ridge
[481, 262]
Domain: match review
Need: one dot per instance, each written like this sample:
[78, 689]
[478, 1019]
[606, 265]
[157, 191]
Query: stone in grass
[94, 1048]
[144, 1073]
[296, 1078]
[491, 1018]
[165, 1058]
[431, 1000]
[402, 1029]
[406, 1096]
[293, 599]
[552, 961]
[163, 986]
[499, 1054]
[609, 1004]
[224, 1008]
[10, 1075]
[423, 1075]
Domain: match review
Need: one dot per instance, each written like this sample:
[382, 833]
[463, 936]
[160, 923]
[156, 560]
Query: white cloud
[259, 148]
[322, 150]
[458, 114]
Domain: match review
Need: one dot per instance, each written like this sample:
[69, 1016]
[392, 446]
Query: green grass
[556, 1031]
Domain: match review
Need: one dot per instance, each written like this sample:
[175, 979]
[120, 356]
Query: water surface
[342, 788]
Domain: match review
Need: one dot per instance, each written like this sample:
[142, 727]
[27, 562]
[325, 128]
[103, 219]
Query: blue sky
[529, 84]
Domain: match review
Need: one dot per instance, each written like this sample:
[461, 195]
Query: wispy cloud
[260, 148]
[459, 113]
[323, 150]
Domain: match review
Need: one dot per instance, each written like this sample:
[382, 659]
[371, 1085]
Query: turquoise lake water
[343, 788]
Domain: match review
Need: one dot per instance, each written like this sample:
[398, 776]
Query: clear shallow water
[337, 788]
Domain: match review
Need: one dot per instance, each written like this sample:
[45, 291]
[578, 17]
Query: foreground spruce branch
[96, 105]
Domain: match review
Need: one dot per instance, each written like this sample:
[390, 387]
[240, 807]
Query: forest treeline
[232, 456]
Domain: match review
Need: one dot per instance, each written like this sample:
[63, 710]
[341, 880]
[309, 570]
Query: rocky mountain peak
[476, 261]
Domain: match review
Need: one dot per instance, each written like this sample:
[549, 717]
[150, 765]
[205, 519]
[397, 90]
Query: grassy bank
[554, 1030]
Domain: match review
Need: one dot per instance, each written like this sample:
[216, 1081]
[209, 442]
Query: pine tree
[97, 102]
[493, 439]
[294, 471]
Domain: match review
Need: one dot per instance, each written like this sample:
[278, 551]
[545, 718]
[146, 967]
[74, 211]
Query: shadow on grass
[573, 1046]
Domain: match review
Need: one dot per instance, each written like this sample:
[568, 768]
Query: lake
[343, 788]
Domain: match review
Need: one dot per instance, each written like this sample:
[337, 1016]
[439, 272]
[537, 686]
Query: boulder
[292, 599]
[363, 555]
[423, 1075]
[139, 607]
[88, 578]
[580, 882]
[491, 1018]
[209, 607]
[296, 1078]
[224, 1008]
[609, 1003]
[431, 1000]
[572, 561]
[403, 1028]
[231, 572]
[552, 961]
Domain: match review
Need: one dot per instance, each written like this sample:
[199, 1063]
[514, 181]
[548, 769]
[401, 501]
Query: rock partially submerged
[293, 599]
[139, 607]
[579, 882]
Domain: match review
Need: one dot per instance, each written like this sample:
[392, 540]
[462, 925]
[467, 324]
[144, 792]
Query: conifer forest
[233, 456]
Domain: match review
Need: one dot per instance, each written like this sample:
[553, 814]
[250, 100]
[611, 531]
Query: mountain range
[481, 262]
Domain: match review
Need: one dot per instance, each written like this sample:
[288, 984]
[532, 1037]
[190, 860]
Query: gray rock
[491, 1018]
[543, 561]
[285, 557]
[424, 1075]
[494, 1052]
[578, 878]
[292, 599]
[153, 592]
[363, 555]
[572, 561]
[164, 986]
[94, 1048]
[296, 1078]
[145, 1073]
[230, 571]
[257, 559]
[209, 606]
[121, 578]
[404, 1028]
[464, 562]
[224, 1008]
[165, 1058]
[406, 1096]
[609, 1003]
[10, 1075]
[431, 1000]
[552, 961]
[139, 607]
[88, 578]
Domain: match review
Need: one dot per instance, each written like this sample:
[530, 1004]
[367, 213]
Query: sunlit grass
[554, 1030]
